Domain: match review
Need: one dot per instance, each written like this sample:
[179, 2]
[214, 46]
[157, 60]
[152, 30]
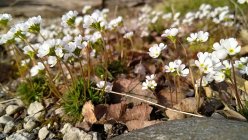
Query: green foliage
[33, 90]
[77, 95]
[244, 111]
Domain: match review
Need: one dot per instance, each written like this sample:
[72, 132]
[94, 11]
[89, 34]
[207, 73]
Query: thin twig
[158, 105]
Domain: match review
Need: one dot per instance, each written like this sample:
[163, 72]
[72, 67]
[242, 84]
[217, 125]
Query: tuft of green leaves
[33, 90]
[77, 95]
[116, 67]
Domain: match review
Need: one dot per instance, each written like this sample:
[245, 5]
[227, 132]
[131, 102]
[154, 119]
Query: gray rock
[8, 127]
[73, 133]
[12, 109]
[35, 110]
[191, 129]
[3, 136]
[21, 136]
[29, 125]
[2, 109]
[5, 119]
[43, 132]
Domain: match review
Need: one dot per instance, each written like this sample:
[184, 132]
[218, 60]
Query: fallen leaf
[139, 112]
[172, 115]
[115, 111]
[231, 114]
[138, 124]
[189, 105]
[133, 87]
[88, 112]
[100, 110]
[167, 98]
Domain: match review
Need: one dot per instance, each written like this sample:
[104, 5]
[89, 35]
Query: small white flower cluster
[177, 68]
[106, 86]
[170, 32]
[198, 37]
[20, 30]
[150, 83]
[149, 17]
[219, 15]
[242, 65]
[68, 19]
[5, 18]
[213, 64]
[37, 68]
[156, 50]
[128, 35]
[242, 1]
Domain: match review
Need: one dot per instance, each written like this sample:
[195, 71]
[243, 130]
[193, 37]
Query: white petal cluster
[47, 46]
[150, 83]
[198, 37]
[242, 1]
[97, 18]
[170, 32]
[34, 22]
[156, 50]
[5, 17]
[114, 23]
[242, 65]
[128, 35]
[86, 8]
[177, 67]
[226, 47]
[69, 18]
[37, 68]
[107, 86]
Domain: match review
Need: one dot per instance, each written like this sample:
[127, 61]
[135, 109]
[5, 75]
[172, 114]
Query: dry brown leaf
[138, 124]
[231, 114]
[172, 115]
[134, 87]
[165, 97]
[189, 105]
[88, 112]
[244, 50]
[139, 112]
[100, 110]
[115, 111]
[242, 84]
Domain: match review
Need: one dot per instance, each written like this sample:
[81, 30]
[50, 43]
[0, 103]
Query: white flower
[226, 47]
[219, 77]
[59, 52]
[5, 18]
[107, 86]
[46, 47]
[68, 19]
[115, 23]
[79, 42]
[33, 24]
[35, 69]
[19, 30]
[198, 37]
[156, 49]
[128, 35]
[170, 32]
[52, 61]
[95, 18]
[204, 81]
[202, 36]
[204, 62]
[25, 62]
[242, 1]
[182, 71]
[86, 9]
[192, 38]
[79, 21]
[150, 83]
[171, 67]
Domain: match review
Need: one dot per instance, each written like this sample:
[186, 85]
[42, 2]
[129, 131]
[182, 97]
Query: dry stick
[175, 84]
[60, 65]
[235, 87]
[158, 105]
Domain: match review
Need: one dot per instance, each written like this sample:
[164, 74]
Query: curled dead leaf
[88, 112]
[138, 124]
[139, 112]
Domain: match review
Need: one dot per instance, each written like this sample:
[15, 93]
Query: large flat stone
[191, 129]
